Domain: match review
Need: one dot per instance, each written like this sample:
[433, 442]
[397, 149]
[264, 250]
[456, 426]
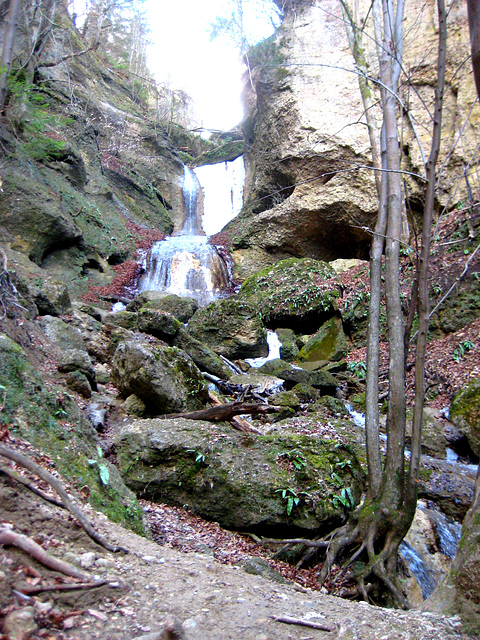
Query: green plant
[359, 369]
[295, 457]
[101, 466]
[344, 499]
[199, 457]
[291, 497]
[460, 351]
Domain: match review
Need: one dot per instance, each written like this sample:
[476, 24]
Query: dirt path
[211, 600]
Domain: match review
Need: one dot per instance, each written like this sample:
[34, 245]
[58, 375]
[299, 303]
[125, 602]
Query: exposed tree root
[11, 538]
[370, 539]
[18, 478]
[56, 485]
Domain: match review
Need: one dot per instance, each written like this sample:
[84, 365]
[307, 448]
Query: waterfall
[186, 264]
[222, 185]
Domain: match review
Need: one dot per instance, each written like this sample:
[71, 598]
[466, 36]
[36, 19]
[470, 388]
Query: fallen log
[223, 412]
[11, 538]
[238, 423]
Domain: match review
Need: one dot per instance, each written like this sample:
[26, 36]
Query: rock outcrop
[309, 188]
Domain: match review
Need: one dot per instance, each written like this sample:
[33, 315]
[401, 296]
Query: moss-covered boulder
[205, 359]
[231, 328]
[294, 293]
[329, 343]
[292, 375]
[179, 307]
[274, 480]
[165, 378]
[465, 413]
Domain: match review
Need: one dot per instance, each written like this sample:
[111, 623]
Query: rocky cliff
[309, 190]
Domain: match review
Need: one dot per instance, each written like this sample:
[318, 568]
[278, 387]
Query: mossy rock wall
[465, 413]
[50, 420]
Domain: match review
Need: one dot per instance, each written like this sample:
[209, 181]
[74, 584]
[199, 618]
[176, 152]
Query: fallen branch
[11, 538]
[223, 412]
[33, 589]
[57, 486]
[305, 623]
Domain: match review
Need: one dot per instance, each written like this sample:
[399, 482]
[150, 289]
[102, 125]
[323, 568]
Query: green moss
[51, 421]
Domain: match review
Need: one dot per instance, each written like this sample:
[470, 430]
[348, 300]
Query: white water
[274, 345]
[222, 186]
[185, 264]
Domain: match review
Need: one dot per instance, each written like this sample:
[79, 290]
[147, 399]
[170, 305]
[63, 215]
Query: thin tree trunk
[393, 477]
[7, 52]
[423, 300]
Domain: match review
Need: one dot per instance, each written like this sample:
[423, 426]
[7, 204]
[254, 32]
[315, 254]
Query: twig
[305, 623]
[29, 464]
[11, 538]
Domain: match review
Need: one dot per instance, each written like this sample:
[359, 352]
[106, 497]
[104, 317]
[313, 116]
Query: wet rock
[260, 567]
[289, 349]
[96, 414]
[165, 378]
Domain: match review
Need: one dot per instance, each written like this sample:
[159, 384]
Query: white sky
[182, 55]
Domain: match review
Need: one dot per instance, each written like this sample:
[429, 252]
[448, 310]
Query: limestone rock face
[165, 378]
[309, 191]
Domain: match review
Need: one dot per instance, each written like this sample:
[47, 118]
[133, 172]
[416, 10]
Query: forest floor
[181, 575]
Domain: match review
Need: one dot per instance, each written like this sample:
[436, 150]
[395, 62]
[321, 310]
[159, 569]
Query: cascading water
[186, 264]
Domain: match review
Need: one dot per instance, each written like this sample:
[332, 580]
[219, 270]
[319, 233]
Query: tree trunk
[473, 7]
[7, 52]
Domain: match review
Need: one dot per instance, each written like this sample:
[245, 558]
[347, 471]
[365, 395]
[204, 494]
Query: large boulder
[232, 328]
[293, 375]
[465, 413]
[181, 308]
[294, 293]
[220, 476]
[165, 378]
